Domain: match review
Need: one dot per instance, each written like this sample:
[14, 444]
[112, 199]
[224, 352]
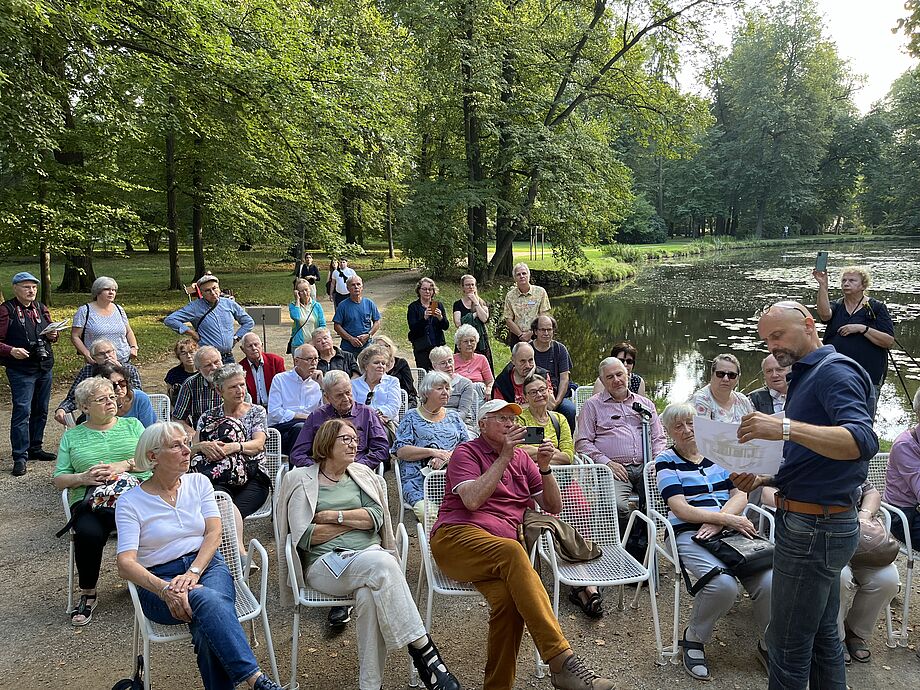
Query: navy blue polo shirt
[873, 314]
[837, 394]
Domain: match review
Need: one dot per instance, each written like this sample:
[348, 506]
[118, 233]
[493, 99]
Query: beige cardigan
[297, 505]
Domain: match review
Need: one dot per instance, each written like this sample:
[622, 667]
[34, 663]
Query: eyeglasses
[348, 439]
[306, 359]
[120, 384]
[535, 391]
[104, 399]
[785, 304]
[426, 289]
[628, 360]
[732, 375]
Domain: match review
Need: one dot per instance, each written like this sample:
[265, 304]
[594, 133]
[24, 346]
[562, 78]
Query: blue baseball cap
[24, 277]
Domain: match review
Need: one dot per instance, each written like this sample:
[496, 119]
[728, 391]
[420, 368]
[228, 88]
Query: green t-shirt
[563, 441]
[346, 495]
[82, 448]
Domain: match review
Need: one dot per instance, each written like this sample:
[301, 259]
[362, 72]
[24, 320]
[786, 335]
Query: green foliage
[642, 225]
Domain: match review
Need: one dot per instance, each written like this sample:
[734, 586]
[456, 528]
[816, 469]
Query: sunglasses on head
[732, 375]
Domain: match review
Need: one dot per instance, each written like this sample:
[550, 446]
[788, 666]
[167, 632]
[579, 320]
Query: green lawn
[256, 277]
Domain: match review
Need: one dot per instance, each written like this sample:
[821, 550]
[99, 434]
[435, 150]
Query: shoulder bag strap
[555, 420]
[85, 324]
[205, 315]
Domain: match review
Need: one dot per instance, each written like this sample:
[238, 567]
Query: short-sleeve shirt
[255, 420]
[874, 314]
[524, 308]
[503, 511]
[555, 360]
[707, 406]
[415, 430]
[476, 370]
[113, 327]
[357, 318]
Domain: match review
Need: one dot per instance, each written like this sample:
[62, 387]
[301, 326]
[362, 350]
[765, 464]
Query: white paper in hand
[718, 441]
[56, 326]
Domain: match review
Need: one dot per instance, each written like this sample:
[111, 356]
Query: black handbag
[742, 556]
[136, 683]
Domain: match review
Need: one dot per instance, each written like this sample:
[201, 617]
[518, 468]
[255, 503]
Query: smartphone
[534, 436]
[821, 262]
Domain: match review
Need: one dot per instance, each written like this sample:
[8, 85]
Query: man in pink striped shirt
[609, 431]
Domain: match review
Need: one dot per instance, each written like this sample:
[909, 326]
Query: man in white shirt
[340, 276]
[771, 398]
[294, 395]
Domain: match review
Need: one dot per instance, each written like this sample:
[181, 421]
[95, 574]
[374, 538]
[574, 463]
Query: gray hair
[606, 362]
[465, 331]
[518, 265]
[99, 342]
[225, 373]
[334, 376]
[299, 350]
[431, 379]
[517, 346]
[725, 357]
[440, 352]
[201, 352]
[153, 439]
[250, 336]
[102, 283]
[676, 412]
[320, 331]
[87, 388]
[353, 279]
[368, 353]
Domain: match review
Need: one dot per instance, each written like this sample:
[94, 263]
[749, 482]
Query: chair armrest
[292, 574]
[764, 515]
[256, 545]
[650, 529]
[402, 546]
[670, 550]
[894, 510]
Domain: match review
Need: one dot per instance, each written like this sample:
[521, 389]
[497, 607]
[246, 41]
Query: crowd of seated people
[338, 413]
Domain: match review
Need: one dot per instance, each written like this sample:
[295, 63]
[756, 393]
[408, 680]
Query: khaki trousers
[500, 569]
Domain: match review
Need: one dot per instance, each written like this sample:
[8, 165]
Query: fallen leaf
[599, 643]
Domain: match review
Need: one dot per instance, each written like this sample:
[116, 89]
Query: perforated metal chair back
[270, 464]
[434, 496]
[581, 394]
[161, 406]
[403, 405]
[878, 467]
[418, 375]
[589, 502]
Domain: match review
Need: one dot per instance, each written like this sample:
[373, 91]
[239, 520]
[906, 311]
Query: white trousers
[387, 617]
[864, 592]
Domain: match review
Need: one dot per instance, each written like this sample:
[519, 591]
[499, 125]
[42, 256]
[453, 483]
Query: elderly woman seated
[426, 437]
[902, 481]
[537, 413]
[463, 393]
[336, 509]
[399, 368]
[376, 388]
[469, 363]
[95, 462]
[131, 403]
[702, 501]
[718, 399]
[168, 534]
[229, 446]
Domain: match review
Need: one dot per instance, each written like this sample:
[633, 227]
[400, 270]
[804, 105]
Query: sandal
[593, 607]
[85, 609]
[857, 648]
[694, 658]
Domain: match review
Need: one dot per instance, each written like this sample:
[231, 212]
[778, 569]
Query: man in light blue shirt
[209, 320]
[356, 319]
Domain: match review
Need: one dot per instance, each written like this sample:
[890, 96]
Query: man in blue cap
[28, 359]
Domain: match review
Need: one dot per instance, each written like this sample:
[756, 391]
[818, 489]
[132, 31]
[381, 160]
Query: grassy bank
[256, 277]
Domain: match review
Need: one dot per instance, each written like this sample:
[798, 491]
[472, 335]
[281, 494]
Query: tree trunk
[659, 197]
[389, 201]
[504, 220]
[197, 213]
[172, 214]
[349, 217]
[45, 265]
[78, 272]
[761, 211]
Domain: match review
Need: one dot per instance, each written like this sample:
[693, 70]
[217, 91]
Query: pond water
[679, 315]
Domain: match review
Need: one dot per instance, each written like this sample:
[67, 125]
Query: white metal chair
[878, 467]
[248, 606]
[418, 375]
[404, 506]
[403, 405]
[589, 505]
[161, 406]
[311, 598]
[581, 394]
[71, 559]
[665, 545]
[272, 463]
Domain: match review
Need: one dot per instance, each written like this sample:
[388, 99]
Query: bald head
[788, 329]
[522, 359]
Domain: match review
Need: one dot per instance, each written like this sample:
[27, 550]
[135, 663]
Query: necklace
[334, 481]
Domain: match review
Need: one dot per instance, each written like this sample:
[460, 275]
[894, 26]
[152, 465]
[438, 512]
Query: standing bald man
[828, 443]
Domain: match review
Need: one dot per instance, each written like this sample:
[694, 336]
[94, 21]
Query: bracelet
[163, 591]
[546, 473]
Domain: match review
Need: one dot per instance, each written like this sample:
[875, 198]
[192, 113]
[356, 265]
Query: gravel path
[42, 650]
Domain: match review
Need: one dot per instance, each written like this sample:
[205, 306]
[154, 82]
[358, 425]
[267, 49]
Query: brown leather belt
[808, 508]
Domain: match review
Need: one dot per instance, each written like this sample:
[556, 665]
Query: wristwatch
[787, 428]
[341, 518]
[194, 570]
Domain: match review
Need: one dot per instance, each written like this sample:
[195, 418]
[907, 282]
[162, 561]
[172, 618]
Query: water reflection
[681, 315]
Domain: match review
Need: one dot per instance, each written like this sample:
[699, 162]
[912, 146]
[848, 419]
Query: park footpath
[42, 650]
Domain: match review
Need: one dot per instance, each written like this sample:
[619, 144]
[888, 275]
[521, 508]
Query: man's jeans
[224, 657]
[31, 391]
[811, 550]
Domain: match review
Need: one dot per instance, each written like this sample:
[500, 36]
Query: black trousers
[91, 531]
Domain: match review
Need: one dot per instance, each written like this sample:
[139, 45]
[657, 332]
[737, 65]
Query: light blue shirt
[217, 329]
[386, 395]
[142, 409]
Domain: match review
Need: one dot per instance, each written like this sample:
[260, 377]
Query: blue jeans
[224, 657]
[567, 409]
[805, 648]
[31, 391]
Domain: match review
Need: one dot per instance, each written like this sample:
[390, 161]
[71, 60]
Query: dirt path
[42, 650]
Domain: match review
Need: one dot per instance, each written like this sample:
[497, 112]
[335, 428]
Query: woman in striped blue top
[702, 501]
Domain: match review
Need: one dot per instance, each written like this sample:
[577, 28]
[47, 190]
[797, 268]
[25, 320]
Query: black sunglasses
[732, 375]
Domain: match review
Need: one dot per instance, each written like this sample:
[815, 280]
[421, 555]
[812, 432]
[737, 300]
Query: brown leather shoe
[574, 675]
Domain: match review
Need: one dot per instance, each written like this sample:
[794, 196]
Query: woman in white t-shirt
[168, 534]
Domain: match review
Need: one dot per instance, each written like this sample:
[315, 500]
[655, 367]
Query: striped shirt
[196, 396]
[705, 486]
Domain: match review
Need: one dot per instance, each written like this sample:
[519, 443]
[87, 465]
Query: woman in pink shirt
[468, 362]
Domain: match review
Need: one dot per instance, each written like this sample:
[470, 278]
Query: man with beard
[828, 443]
[198, 394]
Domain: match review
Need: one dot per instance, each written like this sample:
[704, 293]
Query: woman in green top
[349, 525]
[91, 454]
[555, 428]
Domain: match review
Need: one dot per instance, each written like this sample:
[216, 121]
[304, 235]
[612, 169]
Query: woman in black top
[427, 320]
[309, 271]
[473, 310]
[184, 350]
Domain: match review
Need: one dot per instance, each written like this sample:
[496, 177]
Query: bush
[642, 225]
